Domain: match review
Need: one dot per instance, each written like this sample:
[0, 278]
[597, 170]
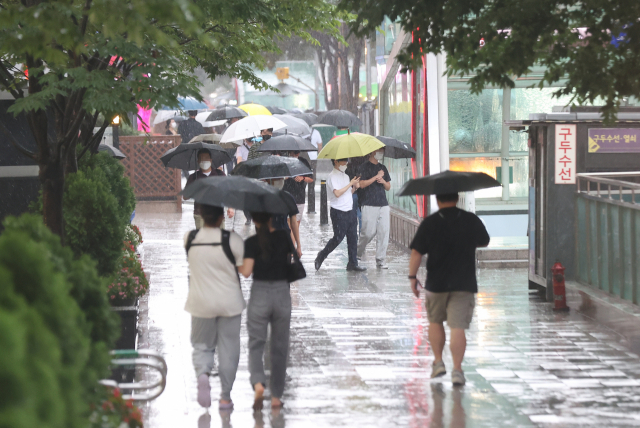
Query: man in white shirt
[343, 216]
[242, 152]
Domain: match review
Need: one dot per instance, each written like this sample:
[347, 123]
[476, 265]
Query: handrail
[137, 358]
[620, 187]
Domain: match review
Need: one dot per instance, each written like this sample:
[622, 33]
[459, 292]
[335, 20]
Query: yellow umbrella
[255, 109]
[351, 145]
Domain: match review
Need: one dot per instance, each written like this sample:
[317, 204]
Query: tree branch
[14, 143]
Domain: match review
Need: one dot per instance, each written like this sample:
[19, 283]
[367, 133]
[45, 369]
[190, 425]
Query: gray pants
[375, 223]
[270, 303]
[223, 332]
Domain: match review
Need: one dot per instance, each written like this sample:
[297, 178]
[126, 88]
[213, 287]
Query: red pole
[559, 290]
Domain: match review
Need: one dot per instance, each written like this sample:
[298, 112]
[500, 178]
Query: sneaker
[457, 377]
[318, 261]
[204, 391]
[356, 268]
[382, 265]
[438, 369]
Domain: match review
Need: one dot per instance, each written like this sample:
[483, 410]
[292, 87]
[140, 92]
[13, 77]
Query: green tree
[572, 39]
[68, 63]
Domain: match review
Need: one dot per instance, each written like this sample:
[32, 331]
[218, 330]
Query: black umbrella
[310, 118]
[294, 125]
[226, 112]
[340, 119]
[396, 149]
[185, 156]
[448, 182]
[113, 152]
[287, 143]
[271, 167]
[241, 193]
[276, 110]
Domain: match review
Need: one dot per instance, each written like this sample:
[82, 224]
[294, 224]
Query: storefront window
[475, 121]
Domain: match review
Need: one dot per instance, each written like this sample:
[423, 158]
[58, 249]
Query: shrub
[114, 411]
[129, 280]
[132, 234]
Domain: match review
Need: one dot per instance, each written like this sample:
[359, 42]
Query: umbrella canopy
[249, 127]
[340, 119]
[240, 193]
[185, 156]
[448, 182]
[276, 110]
[287, 143]
[350, 145]
[296, 110]
[206, 138]
[113, 152]
[255, 109]
[294, 125]
[226, 113]
[271, 167]
[203, 118]
[164, 115]
[310, 118]
[189, 103]
[396, 149]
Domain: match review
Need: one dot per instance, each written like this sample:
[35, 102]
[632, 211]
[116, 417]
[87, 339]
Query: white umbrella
[164, 115]
[202, 118]
[249, 127]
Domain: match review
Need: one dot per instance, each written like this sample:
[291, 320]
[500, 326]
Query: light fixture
[116, 120]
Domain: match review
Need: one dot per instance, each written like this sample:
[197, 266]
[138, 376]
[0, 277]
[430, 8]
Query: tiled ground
[360, 356]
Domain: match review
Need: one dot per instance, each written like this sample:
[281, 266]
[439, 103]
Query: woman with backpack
[215, 302]
[269, 256]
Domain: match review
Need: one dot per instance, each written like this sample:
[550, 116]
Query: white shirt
[316, 140]
[243, 152]
[336, 181]
[214, 290]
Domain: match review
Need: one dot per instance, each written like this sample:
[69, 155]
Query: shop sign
[565, 154]
[614, 140]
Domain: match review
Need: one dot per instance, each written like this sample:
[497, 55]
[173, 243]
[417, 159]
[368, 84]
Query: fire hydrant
[559, 292]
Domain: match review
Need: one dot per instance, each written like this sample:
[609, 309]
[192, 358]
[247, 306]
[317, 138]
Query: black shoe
[356, 268]
[247, 223]
[318, 262]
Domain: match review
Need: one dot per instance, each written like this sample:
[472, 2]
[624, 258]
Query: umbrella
[184, 156]
[287, 143]
[340, 119]
[112, 151]
[350, 145]
[310, 118]
[296, 110]
[255, 109]
[396, 149]
[226, 112]
[276, 110]
[164, 115]
[448, 182]
[271, 167]
[249, 127]
[241, 193]
[294, 125]
[203, 118]
[189, 103]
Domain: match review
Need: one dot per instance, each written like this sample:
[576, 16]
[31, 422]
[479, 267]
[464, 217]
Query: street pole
[324, 215]
[311, 203]
[504, 149]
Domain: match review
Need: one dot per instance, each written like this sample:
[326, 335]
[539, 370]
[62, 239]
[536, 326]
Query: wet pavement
[360, 358]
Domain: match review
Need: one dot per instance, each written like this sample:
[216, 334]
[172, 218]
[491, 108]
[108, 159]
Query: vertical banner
[565, 171]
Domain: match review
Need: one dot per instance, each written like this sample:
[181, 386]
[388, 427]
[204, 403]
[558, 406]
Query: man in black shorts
[449, 238]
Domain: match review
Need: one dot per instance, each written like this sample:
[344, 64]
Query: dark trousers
[344, 224]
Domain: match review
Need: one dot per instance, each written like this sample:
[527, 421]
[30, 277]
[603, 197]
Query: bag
[295, 269]
[226, 247]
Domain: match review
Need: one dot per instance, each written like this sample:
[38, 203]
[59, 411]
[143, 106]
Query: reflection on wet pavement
[360, 357]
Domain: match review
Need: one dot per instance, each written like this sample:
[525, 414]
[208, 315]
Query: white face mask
[204, 165]
[379, 156]
[342, 168]
[174, 125]
[278, 184]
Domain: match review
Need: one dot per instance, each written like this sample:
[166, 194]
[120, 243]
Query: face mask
[256, 139]
[278, 184]
[342, 168]
[174, 125]
[266, 137]
[204, 165]
[379, 156]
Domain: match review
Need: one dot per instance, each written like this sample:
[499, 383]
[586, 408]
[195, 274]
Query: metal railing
[132, 359]
[614, 186]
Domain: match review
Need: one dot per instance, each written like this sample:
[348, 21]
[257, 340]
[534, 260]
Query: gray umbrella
[294, 125]
[287, 143]
[276, 110]
[310, 118]
[396, 149]
[185, 156]
[112, 151]
[340, 119]
[226, 112]
[241, 193]
[271, 167]
[448, 182]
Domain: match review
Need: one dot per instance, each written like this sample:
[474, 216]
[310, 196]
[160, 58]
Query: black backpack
[226, 247]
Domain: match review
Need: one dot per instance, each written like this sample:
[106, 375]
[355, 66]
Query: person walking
[375, 181]
[242, 155]
[449, 238]
[171, 127]
[287, 222]
[343, 215]
[188, 129]
[205, 170]
[215, 302]
[353, 170]
[297, 186]
[265, 135]
[267, 255]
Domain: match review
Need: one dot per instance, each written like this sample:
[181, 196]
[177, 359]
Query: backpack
[226, 247]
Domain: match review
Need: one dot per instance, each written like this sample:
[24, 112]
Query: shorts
[455, 307]
[300, 212]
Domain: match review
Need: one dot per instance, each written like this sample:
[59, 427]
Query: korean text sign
[614, 140]
[565, 171]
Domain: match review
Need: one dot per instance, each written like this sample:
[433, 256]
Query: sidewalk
[360, 357]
